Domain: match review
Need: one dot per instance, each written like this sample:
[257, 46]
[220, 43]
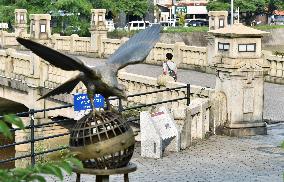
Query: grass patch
[118, 34]
[282, 145]
[268, 27]
[185, 29]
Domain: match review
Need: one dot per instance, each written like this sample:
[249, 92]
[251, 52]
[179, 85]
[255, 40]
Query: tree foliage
[250, 7]
[219, 5]
[75, 13]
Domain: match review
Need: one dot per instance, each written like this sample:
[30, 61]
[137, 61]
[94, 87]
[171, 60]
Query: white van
[166, 24]
[110, 25]
[137, 25]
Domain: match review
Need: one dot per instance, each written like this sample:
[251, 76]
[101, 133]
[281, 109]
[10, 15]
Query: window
[223, 46]
[141, 24]
[33, 27]
[135, 24]
[247, 47]
[21, 17]
[100, 18]
[221, 23]
[42, 28]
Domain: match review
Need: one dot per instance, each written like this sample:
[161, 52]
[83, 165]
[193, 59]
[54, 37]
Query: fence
[32, 126]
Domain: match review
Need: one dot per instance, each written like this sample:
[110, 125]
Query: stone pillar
[240, 70]
[98, 29]
[21, 22]
[218, 19]
[177, 53]
[24, 149]
[40, 26]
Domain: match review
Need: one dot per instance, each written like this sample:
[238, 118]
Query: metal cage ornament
[102, 142]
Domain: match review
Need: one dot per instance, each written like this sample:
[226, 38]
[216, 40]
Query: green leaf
[14, 120]
[37, 177]
[75, 162]
[52, 169]
[21, 173]
[5, 130]
[66, 166]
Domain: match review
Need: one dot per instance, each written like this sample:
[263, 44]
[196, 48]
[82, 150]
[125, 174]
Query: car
[166, 24]
[137, 25]
[110, 25]
[197, 23]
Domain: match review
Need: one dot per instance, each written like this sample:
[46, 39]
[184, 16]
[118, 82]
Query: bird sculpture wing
[66, 87]
[56, 58]
[136, 49]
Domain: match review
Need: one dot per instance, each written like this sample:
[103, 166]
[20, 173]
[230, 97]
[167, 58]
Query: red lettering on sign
[157, 114]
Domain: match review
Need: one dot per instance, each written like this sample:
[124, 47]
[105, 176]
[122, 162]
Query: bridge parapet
[276, 72]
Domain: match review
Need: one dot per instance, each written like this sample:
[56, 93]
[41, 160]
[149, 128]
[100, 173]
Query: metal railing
[32, 126]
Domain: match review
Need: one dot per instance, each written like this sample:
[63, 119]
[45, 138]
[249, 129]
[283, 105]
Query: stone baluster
[9, 63]
[279, 68]
[177, 52]
[273, 68]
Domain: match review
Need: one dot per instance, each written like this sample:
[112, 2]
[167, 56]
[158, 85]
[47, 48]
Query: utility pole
[232, 12]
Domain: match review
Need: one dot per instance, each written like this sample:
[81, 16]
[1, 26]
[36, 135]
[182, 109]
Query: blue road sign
[82, 102]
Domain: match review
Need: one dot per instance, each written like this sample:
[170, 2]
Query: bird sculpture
[101, 79]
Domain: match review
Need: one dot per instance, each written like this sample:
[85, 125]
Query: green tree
[219, 5]
[76, 14]
[250, 7]
[134, 7]
[273, 5]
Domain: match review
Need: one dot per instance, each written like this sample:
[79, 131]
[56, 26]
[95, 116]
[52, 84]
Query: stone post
[240, 70]
[218, 19]
[40, 27]
[21, 26]
[73, 38]
[177, 53]
[98, 29]
[9, 63]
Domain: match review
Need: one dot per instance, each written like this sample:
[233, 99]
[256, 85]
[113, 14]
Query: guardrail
[32, 126]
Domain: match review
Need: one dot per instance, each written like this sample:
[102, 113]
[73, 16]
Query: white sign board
[164, 123]
[155, 129]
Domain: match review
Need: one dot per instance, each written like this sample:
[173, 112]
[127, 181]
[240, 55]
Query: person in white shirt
[169, 67]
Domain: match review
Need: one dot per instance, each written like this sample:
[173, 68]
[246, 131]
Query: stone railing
[186, 57]
[196, 125]
[189, 57]
[109, 46]
[15, 65]
[276, 72]
[140, 84]
[21, 66]
[8, 39]
[72, 44]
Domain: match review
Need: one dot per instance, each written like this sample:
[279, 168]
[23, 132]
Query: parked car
[110, 25]
[166, 24]
[197, 23]
[137, 25]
